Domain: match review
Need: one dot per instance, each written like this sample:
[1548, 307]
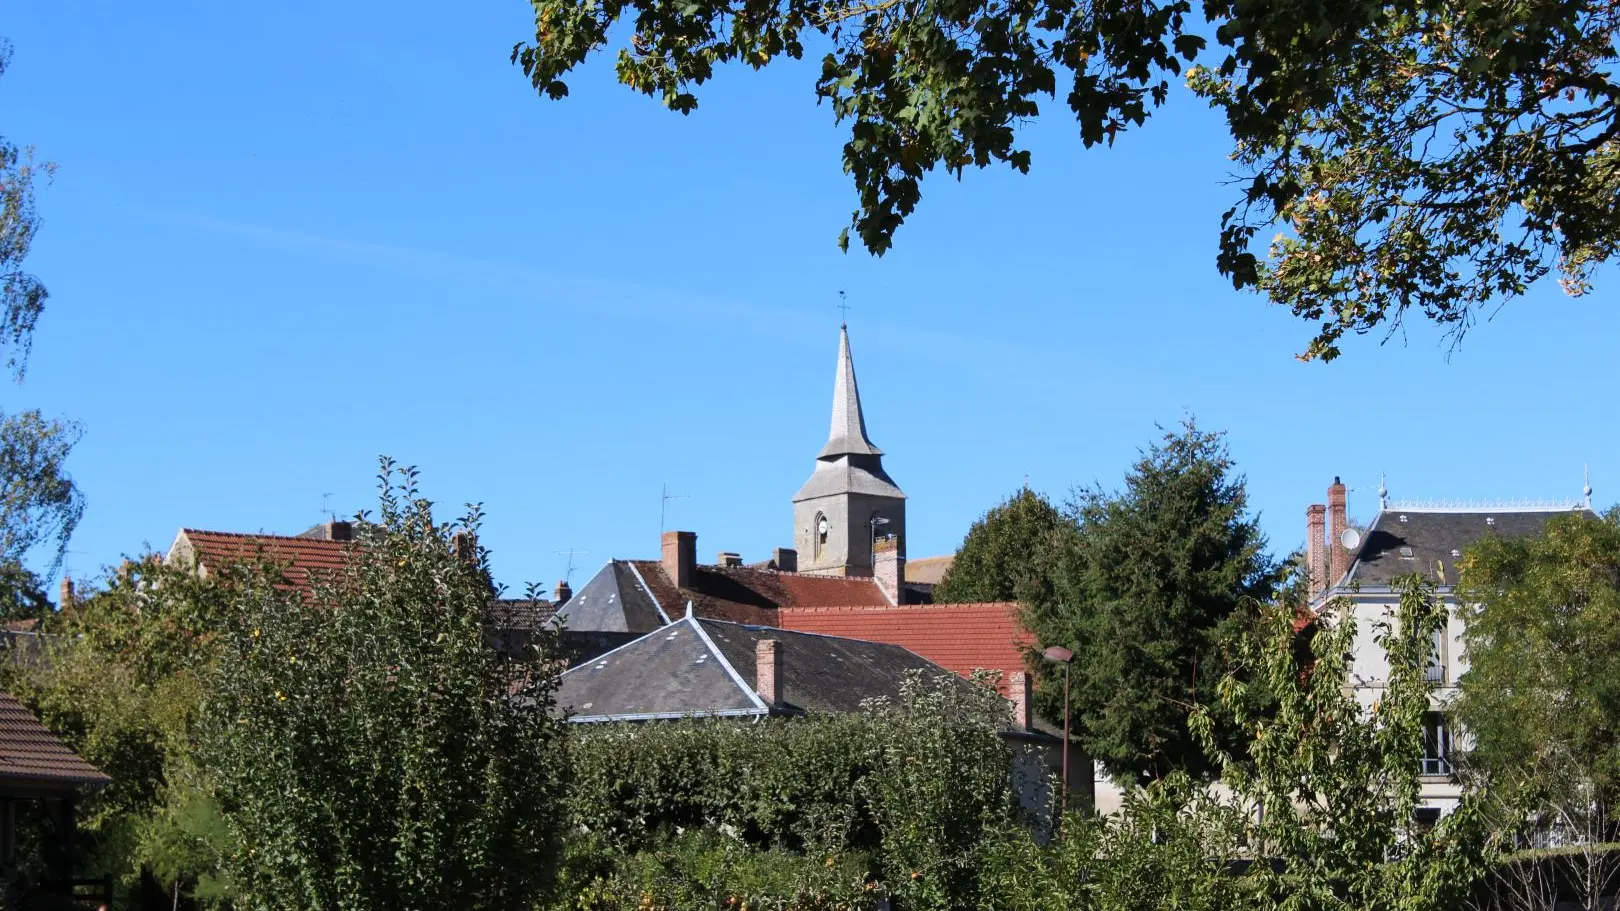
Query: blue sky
[287, 238]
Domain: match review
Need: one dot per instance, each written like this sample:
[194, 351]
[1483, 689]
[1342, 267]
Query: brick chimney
[728, 558]
[889, 569]
[339, 531]
[768, 671]
[1338, 557]
[563, 592]
[1020, 691]
[680, 557]
[786, 559]
[66, 600]
[1315, 550]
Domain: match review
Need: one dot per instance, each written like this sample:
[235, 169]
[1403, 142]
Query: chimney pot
[680, 557]
[563, 593]
[786, 559]
[1021, 692]
[768, 672]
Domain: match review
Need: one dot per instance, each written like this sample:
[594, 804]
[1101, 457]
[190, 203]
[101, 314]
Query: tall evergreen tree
[1004, 556]
[1147, 595]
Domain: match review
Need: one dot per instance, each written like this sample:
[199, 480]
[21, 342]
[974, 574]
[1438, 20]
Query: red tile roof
[31, 755]
[748, 594]
[299, 556]
[959, 637]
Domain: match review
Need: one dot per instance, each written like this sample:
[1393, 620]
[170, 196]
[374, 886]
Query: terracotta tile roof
[29, 754]
[747, 594]
[300, 556]
[961, 638]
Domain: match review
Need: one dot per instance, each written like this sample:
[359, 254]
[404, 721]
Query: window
[1436, 744]
[1436, 672]
[820, 533]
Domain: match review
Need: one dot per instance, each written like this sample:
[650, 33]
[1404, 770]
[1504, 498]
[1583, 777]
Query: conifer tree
[1147, 594]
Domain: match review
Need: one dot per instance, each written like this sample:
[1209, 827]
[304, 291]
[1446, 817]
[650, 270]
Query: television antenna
[325, 510]
[570, 553]
[663, 505]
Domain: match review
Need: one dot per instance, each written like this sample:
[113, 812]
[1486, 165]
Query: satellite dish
[1350, 538]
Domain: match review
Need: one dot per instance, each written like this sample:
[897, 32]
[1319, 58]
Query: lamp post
[876, 521]
[1065, 657]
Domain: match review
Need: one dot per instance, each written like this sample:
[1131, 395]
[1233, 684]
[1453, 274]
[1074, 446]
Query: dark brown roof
[747, 594]
[31, 755]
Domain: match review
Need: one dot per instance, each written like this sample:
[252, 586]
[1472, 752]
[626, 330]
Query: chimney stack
[680, 557]
[67, 599]
[728, 558]
[1316, 569]
[768, 672]
[785, 559]
[563, 593]
[339, 531]
[1021, 693]
[1338, 557]
[889, 569]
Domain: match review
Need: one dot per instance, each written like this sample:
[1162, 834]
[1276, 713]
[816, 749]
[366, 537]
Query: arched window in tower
[820, 533]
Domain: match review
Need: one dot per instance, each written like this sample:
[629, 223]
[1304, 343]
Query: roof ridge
[898, 608]
[259, 536]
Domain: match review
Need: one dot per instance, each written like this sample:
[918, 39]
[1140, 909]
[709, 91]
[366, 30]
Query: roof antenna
[843, 311]
[663, 505]
[1383, 493]
[330, 516]
[1586, 491]
[568, 575]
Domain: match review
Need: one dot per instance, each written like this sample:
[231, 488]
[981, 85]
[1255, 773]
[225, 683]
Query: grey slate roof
[1405, 541]
[848, 434]
[706, 667]
[615, 600]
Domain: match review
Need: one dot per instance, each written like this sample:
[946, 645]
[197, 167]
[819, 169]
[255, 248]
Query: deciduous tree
[1003, 557]
[368, 749]
[1412, 156]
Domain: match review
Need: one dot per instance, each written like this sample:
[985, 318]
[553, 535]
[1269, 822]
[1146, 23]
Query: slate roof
[1404, 541]
[961, 638]
[705, 667]
[615, 600]
[848, 433]
[31, 756]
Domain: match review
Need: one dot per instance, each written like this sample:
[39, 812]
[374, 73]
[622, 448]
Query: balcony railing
[1436, 673]
[1435, 765]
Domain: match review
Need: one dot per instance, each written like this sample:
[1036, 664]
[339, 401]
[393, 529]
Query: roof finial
[1586, 491]
[843, 311]
[1383, 493]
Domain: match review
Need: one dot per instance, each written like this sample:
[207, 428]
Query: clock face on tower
[822, 527]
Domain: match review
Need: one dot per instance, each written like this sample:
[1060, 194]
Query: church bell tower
[849, 501]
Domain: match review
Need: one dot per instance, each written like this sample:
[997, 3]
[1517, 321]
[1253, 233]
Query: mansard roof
[1427, 540]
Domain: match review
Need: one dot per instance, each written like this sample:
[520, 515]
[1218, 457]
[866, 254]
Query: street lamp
[876, 521]
[1065, 657]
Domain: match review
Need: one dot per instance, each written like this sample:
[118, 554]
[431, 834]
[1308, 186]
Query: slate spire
[848, 434]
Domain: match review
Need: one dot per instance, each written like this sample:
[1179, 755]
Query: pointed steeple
[848, 434]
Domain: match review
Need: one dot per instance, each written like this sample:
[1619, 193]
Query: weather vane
[843, 310]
